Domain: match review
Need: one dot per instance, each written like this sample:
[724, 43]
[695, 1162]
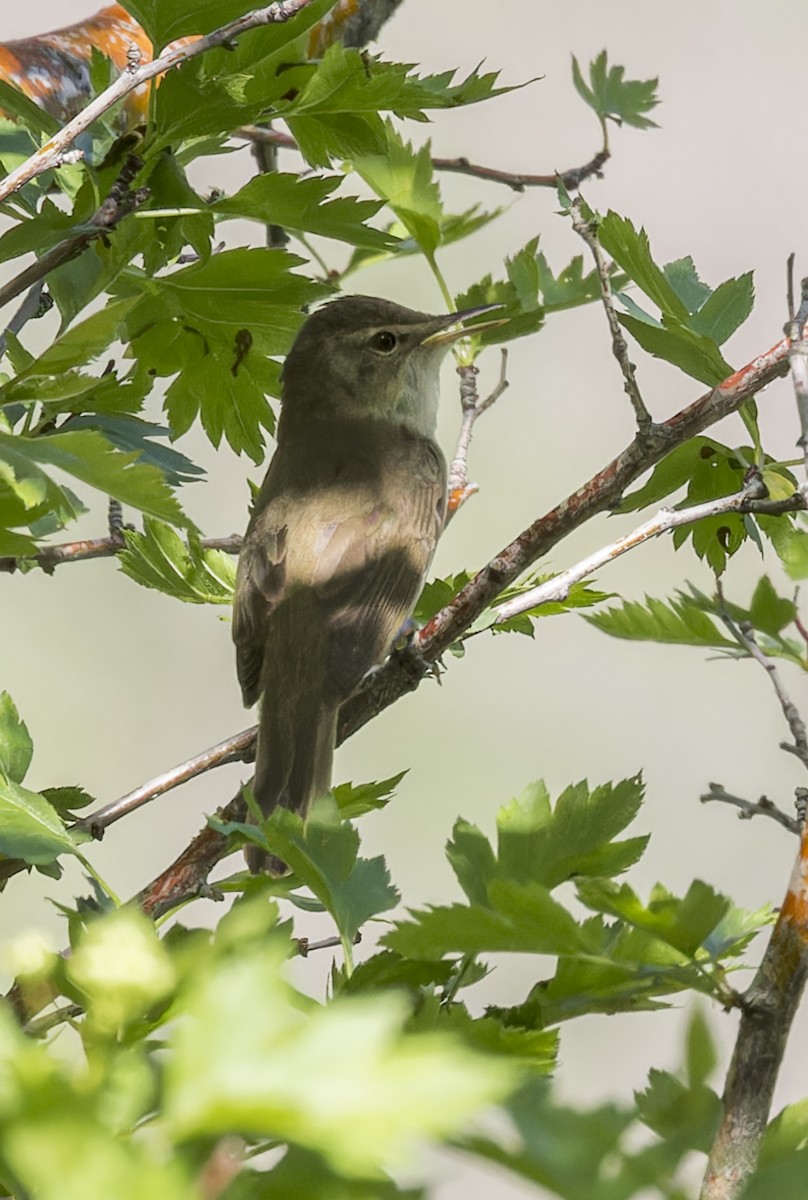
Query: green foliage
[188, 1045]
[695, 619]
[159, 559]
[614, 98]
[694, 320]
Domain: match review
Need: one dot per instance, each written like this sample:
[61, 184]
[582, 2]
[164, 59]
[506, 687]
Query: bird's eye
[384, 341]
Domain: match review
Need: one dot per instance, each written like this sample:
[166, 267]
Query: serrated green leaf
[158, 558]
[684, 924]
[324, 855]
[16, 747]
[694, 354]
[402, 178]
[612, 96]
[726, 309]
[30, 828]
[630, 248]
[67, 799]
[88, 456]
[522, 918]
[83, 342]
[355, 799]
[302, 204]
[572, 839]
[684, 279]
[675, 622]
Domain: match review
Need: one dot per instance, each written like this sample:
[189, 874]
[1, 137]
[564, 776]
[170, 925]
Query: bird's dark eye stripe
[384, 341]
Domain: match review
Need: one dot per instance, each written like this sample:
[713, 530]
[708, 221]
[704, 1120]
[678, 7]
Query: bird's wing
[364, 567]
[260, 584]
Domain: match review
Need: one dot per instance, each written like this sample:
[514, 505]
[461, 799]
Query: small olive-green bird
[342, 533]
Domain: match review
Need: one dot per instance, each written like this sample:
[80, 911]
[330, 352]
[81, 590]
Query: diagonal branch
[119, 203]
[135, 75]
[404, 671]
[751, 498]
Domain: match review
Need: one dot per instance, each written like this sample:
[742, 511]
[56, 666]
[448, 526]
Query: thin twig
[460, 489]
[51, 557]
[518, 181]
[764, 807]
[119, 203]
[135, 76]
[744, 635]
[557, 589]
[587, 230]
[798, 358]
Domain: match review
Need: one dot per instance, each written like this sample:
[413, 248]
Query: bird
[342, 532]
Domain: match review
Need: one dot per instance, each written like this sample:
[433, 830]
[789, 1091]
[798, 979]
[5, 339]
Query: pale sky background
[118, 683]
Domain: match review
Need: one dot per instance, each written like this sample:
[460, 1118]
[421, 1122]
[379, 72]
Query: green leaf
[573, 839]
[613, 97]
[251, 1055]
[66, 800]
[684, 279]
[88, 456]
[158, 558]
[675, 622]
[629, 247]
[84, 342]
[684, 924]
[16, 747]
[726, 309]
[768, 611]
[17, 104]
[518, 296]
[324, 856]
[402, 178]
[30, 828]
[131, 433]
[355, 799]
[303, 205]
[521, 919]
[694, 354]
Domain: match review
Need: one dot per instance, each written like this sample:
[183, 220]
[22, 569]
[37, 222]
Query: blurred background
[117, 683]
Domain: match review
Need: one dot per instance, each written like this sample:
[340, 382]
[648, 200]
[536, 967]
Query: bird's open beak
[442, 337]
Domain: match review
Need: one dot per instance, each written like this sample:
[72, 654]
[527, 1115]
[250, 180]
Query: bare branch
[744, 635]
[518, 181]
[558, 588]
[798, 357]
[133, 77]
[237, 748]
[764, 807]
[51, 557]
[572, 178]
[587, 230]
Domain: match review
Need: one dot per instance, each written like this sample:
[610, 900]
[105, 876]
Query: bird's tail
[296, 731]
